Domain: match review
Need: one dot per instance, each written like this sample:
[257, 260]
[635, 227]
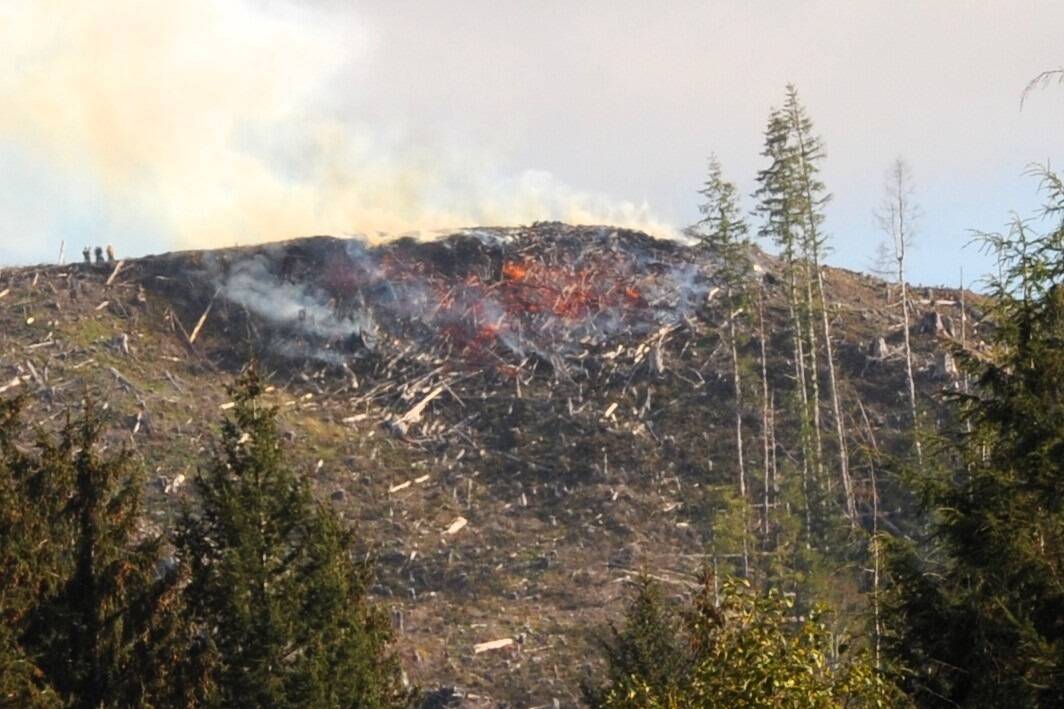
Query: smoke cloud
[210, 122]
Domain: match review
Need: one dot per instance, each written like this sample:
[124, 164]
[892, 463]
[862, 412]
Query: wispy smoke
[375, 299]
[211, 121]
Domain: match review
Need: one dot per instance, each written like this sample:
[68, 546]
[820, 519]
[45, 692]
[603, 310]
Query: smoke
[211, 123]
[375, 298]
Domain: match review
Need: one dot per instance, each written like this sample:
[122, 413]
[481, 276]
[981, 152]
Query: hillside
[518, 420]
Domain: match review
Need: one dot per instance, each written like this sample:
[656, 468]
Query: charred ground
[561, 389]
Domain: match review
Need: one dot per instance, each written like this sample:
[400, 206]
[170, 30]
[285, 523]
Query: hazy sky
[163, 125]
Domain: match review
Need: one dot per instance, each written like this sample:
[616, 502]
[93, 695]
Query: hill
[518, 419]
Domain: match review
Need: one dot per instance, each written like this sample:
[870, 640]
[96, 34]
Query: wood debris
[114, 273]
[456, 526]
[492, 645]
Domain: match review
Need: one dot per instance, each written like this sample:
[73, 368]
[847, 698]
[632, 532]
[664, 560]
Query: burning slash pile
[581, 306]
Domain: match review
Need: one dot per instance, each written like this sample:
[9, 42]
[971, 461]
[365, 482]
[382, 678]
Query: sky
[158, 126]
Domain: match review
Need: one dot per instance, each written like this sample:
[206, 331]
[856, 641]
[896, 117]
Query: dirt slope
[563, 390]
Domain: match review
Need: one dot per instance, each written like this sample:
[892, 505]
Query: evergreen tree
[30, 525]
[777, 206]
[88, 619]
[646, 654]
[740, 648]
[810, 197]
[280, 604]
[723, 232]
[976, 616]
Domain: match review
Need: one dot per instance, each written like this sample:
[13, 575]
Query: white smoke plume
[211, 122]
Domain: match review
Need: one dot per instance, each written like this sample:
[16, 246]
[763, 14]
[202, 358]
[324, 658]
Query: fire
[514, 271]
[533, 304]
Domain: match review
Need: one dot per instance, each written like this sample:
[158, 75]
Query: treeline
[256, 599]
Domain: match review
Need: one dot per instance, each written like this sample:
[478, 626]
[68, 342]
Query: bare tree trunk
[876, 564]
[775, 480]
[737, 378]
[814, 376]
[813, 240]
[766, 497]
[964, 342]
[738, 381]
[840, 429]
[902, 237]
[897, 220]
[803, 394]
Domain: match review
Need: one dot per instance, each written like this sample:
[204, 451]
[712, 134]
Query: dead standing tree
[897, 219]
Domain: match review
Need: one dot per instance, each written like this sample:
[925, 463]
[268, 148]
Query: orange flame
[514, 271]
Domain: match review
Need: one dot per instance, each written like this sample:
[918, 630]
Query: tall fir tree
[975, 616]
[811, 197]
[723, 231]
[281, 604]
[776, 205]
[89, 617]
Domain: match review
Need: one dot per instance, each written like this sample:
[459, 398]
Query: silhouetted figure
[110, 253]
[99, 255]
[87, 253]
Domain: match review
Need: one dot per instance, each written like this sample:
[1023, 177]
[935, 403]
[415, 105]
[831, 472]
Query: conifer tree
[280, 603]
[776, 204]
[88, 617]
[30, 522]
[645, 653]
[723, 232]
[811, 197]
[976, 616]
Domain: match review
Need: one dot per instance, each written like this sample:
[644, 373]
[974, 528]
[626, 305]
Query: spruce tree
[645, 654]
[31, 521]
[975, 616]
[723, 232]
[280, 603]
[776, 204]
[810, 197]
[89, 620]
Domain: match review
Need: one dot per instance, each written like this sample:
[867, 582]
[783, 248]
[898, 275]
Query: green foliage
[976, 616]
[747, 650]
[808, 193]
[776, 192]
[645, 655]
[791, 196]
[723, 230]
[280, 604]
[87, 620]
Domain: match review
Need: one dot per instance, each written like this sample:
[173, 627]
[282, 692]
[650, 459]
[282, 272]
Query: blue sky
[159, 125]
